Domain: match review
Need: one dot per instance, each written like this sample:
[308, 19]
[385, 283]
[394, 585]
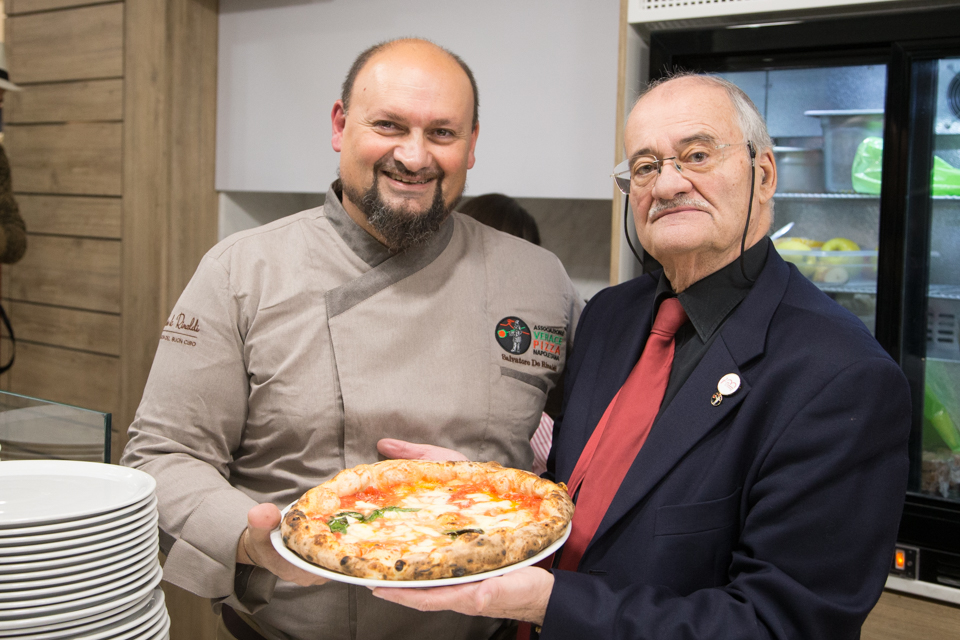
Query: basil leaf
[337, 525]
[354, 514]
[378, 513]
[339, 522]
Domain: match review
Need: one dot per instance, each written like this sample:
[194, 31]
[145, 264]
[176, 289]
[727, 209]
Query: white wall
[547, 71]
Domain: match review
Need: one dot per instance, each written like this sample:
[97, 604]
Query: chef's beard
[400, 228]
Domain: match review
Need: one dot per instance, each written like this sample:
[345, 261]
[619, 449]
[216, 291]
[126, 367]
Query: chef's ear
[338, 121]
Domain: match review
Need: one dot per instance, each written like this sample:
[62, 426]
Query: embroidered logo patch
[548, 341]
[513, 335]
[180, 330]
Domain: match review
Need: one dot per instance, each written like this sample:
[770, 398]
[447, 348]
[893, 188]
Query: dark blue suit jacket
[772, 515]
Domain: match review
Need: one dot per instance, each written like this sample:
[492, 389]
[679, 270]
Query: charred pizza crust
[305, 530]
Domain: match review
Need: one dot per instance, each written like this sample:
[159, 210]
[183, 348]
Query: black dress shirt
[708, 303]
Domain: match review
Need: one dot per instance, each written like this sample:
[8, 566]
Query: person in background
[298, 345]
[506, 214]
[736, 441]
[13, 231]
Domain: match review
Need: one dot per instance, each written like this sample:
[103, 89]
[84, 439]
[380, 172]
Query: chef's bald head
[382, 47]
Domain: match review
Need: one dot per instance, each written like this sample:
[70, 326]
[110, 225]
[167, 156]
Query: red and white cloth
[540, 443]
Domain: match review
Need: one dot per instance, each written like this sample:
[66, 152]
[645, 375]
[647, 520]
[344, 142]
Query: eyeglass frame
[659, 162]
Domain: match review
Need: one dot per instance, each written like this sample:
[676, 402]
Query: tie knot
[670, 317]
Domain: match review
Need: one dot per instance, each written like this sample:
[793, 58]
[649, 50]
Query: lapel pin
[728, 384]
[716, 399]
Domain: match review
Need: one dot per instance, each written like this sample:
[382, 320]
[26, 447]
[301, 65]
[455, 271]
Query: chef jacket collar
[368, 248]
[360, 242]
[710, 300]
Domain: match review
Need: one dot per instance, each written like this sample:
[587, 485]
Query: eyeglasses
[699, 157]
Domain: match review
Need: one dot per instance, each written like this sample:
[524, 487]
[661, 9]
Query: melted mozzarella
[420, 531]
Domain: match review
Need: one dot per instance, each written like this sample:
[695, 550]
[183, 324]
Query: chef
[298, 345]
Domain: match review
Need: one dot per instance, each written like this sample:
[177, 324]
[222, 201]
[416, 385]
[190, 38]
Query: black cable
[746, 227]
[626, 231]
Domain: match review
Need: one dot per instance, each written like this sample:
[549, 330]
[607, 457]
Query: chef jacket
[295, 347]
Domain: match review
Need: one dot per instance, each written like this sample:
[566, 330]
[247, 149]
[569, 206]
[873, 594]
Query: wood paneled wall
[63, 135]
[112, 147]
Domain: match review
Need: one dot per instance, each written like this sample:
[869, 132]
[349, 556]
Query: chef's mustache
[682, 201]
[395, 166]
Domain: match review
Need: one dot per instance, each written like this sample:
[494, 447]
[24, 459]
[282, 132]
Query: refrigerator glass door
[940, 473]
[827, 127]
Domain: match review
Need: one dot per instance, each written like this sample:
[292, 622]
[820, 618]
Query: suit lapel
[690, 416]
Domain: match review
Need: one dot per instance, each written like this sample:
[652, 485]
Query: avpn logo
[513, 334]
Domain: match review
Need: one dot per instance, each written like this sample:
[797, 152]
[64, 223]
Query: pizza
[420, 520]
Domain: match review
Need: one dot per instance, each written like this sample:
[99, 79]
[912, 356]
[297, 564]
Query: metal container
[799, 170]
[843, 131]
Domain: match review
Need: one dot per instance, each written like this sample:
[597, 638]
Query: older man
[752, 490]
[297, 345]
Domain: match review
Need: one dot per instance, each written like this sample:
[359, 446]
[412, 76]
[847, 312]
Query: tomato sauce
[459, 494]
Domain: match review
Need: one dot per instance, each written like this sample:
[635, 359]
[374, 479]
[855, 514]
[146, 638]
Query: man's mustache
[664, 205]
[390, 165]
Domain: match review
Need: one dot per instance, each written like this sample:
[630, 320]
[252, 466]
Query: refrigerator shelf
[944, 291]
[826, 196]
[870, 289]
[844, 196]
[940, 291]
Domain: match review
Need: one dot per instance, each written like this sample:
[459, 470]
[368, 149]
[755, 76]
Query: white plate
[142, 618]
[123, 606]
[296, 560]
[115, 524]
[150, 627]
[62, 550]
[138, 618]
[94, 620]
[47, 606]
[73, 579]
[41, 491]
[82, 538]
[163, 633]
[39, 623]
[63, 592]
[86, 568]
[71, 561]
[149, 502]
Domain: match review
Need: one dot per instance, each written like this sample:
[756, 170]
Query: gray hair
[752, 125]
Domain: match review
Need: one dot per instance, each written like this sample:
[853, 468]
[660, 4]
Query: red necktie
[621, 432]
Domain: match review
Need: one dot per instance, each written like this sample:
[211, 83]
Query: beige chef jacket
[296, 347]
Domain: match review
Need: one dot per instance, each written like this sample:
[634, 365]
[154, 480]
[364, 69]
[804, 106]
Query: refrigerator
[864, 110]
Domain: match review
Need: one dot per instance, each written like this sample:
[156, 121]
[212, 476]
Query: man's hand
[399, 449]
[520, 595]
[254, 547]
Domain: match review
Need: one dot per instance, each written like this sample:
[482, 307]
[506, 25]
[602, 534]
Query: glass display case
[34, 429]
[826, 223]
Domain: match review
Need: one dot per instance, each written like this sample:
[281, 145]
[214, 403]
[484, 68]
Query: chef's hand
[520, 595]
[254, 547]
[400, 449]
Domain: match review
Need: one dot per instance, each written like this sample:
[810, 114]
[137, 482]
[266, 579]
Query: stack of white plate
[79, 552]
